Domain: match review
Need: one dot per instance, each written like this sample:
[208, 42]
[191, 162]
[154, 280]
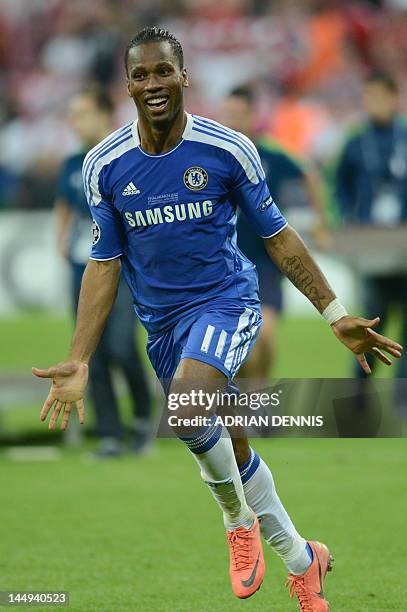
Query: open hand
[357, 334]
[68, 387]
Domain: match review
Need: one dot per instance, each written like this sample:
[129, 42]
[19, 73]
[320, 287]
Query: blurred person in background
[292, 184]
[371, 187]
[91, 116]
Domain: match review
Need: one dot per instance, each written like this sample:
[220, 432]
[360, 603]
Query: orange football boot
[247, 567]
[309, 586]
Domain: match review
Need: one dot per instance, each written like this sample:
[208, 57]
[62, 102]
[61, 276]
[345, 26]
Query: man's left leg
[306, 562]
[261, 495]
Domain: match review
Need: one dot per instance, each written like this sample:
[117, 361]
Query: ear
[128, 87]
[185, 81]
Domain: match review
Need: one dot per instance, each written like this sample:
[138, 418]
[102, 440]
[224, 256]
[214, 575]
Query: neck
[160, 139]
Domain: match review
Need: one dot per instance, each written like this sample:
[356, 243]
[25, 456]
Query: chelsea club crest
[195, 178]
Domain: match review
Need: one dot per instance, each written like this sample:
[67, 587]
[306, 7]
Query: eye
[165, 71]
[137, 76]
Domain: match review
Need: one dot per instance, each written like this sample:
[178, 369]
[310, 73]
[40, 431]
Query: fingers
[55, 415]
[394, 348]
[81, 411]
[67, 412]
[381, 356]
[47, 407]
[363, 362]
[67, 409]
[64, 369]
[47, 373]
[368, 323]
[392, 351]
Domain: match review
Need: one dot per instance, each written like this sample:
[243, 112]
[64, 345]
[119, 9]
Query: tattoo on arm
[303, 279]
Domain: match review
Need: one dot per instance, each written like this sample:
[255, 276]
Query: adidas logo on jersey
[131, 189]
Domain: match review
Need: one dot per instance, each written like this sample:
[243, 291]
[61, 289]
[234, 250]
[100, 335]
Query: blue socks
[249, 467]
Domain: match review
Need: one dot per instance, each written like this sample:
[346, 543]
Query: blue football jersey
[172, 217]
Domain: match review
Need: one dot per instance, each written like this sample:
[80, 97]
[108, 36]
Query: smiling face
[156, 81]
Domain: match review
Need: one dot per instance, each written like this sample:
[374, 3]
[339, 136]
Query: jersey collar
[185, 133]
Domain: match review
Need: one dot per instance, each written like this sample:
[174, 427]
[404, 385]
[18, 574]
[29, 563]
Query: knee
[180, 400]
[186, 409]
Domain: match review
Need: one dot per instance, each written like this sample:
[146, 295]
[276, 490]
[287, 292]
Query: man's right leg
[212, 449]
[199, 352]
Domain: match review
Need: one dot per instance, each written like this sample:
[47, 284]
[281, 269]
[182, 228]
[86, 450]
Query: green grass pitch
[144, 535]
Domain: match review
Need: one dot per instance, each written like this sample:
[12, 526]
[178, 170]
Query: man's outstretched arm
[98, 293]
[291, 255]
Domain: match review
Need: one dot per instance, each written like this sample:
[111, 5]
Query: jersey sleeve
[250, 192]
[107, 229]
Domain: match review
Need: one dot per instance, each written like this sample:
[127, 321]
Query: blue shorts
[221, 335]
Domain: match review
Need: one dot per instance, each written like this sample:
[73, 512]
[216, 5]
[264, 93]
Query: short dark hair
[155, 34]
[100, 96]
[384, 79]
[243, 91]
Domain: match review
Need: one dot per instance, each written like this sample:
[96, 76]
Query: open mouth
[158, 104]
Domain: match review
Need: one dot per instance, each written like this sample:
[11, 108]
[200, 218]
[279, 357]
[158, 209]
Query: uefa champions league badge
[95, 233]
[266, 204]
[195, 178]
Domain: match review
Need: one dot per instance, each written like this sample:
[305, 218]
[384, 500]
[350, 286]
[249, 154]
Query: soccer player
[163, 192]
[291, 183]
[91, 117]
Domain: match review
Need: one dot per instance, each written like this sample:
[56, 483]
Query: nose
[153, 83]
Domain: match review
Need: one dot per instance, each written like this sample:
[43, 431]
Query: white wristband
[334, 311]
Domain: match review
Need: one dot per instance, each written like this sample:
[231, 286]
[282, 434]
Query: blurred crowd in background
[306, 62]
